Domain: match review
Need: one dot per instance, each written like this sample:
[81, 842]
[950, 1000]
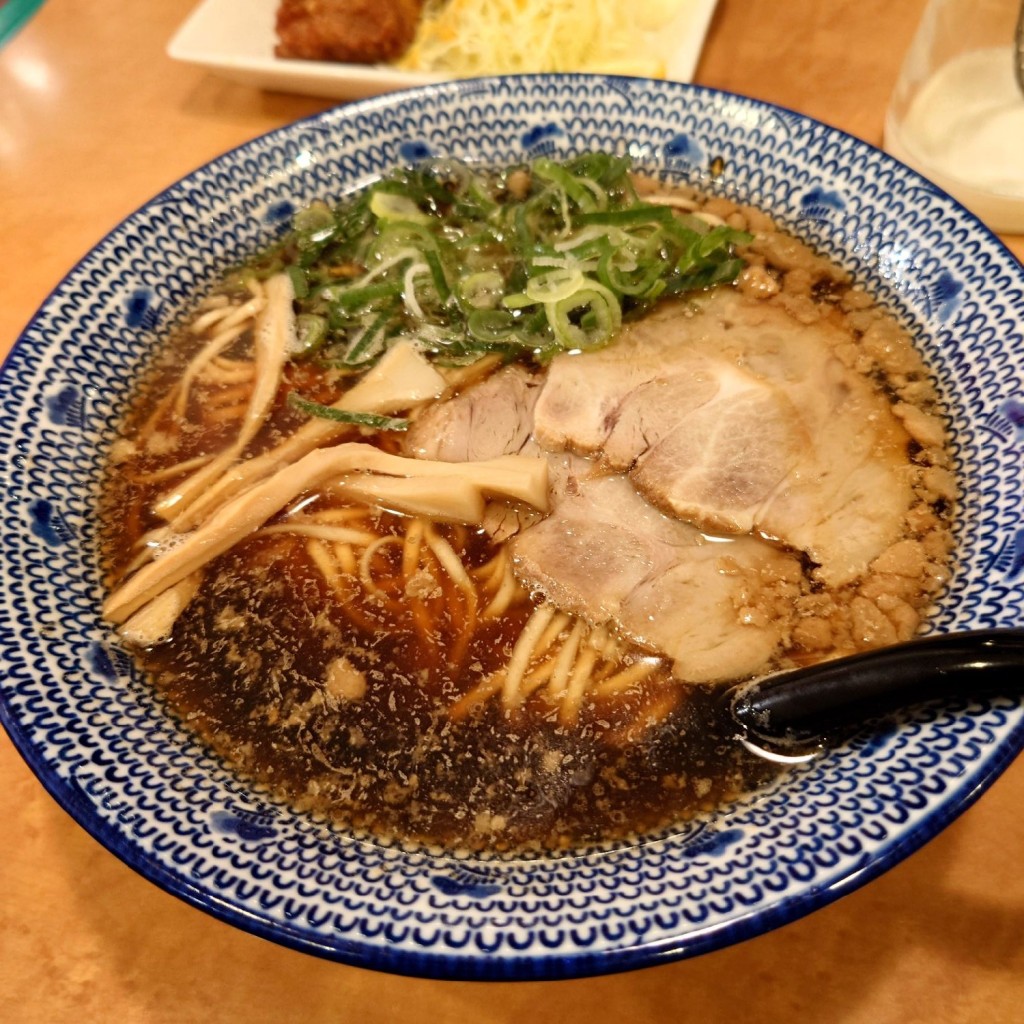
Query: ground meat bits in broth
[362, 680]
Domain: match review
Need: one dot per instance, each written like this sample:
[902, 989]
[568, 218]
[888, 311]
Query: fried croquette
[351, 31]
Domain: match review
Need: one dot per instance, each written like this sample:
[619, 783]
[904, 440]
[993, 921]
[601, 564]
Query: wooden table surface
[94, 120]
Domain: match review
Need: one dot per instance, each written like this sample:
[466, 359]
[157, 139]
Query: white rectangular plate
[236, 39]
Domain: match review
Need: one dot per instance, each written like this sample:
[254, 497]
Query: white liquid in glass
[965, 131]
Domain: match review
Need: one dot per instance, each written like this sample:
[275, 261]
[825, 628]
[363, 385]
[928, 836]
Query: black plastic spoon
[800, 707]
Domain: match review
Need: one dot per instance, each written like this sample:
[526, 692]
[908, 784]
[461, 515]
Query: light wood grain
[95, 119]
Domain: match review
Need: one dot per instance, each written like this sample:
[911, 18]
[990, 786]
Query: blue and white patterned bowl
[104, 747]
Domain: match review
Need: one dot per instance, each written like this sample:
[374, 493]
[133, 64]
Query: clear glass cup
[957, 112]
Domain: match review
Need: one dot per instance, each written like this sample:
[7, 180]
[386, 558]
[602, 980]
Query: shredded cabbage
[476, 37]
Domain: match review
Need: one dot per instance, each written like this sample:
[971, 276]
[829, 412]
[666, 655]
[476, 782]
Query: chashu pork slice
[609, 556]
[488, 419]
[735, 417]
[720, 462]
[702, 437]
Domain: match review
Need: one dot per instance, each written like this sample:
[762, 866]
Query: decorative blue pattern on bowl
[101, 743]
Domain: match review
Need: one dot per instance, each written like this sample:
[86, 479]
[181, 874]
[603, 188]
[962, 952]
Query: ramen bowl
[104, 745]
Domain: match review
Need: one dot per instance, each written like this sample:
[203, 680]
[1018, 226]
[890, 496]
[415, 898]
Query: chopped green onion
[555, 285]
[487, 325]
[388, 206]
[643, 213]
[482, 290]
[403, 236]
[300, 285]
[370, 342]
[517, 300]
[315, 223]
[356, 298]
[359, 419]
[311, 331]
[587, 319]
[448, 254]
[586, 194]
[437, 273]
[636, 280]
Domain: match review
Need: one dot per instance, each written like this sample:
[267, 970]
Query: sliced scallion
[589, 318]
[453, 256]
[310, 332]
[390, 206]
[359, 419]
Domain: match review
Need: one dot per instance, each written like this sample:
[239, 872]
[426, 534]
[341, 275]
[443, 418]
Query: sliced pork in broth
[608, 555]
[489, 419]
[735, 417]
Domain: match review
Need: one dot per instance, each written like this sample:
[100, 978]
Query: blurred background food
[353, 31]
[474, 37]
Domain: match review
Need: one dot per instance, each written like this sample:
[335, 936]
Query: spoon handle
[802, 705]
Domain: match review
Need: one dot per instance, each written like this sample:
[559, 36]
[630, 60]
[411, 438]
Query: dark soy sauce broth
[408, 754]
[244, 669]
